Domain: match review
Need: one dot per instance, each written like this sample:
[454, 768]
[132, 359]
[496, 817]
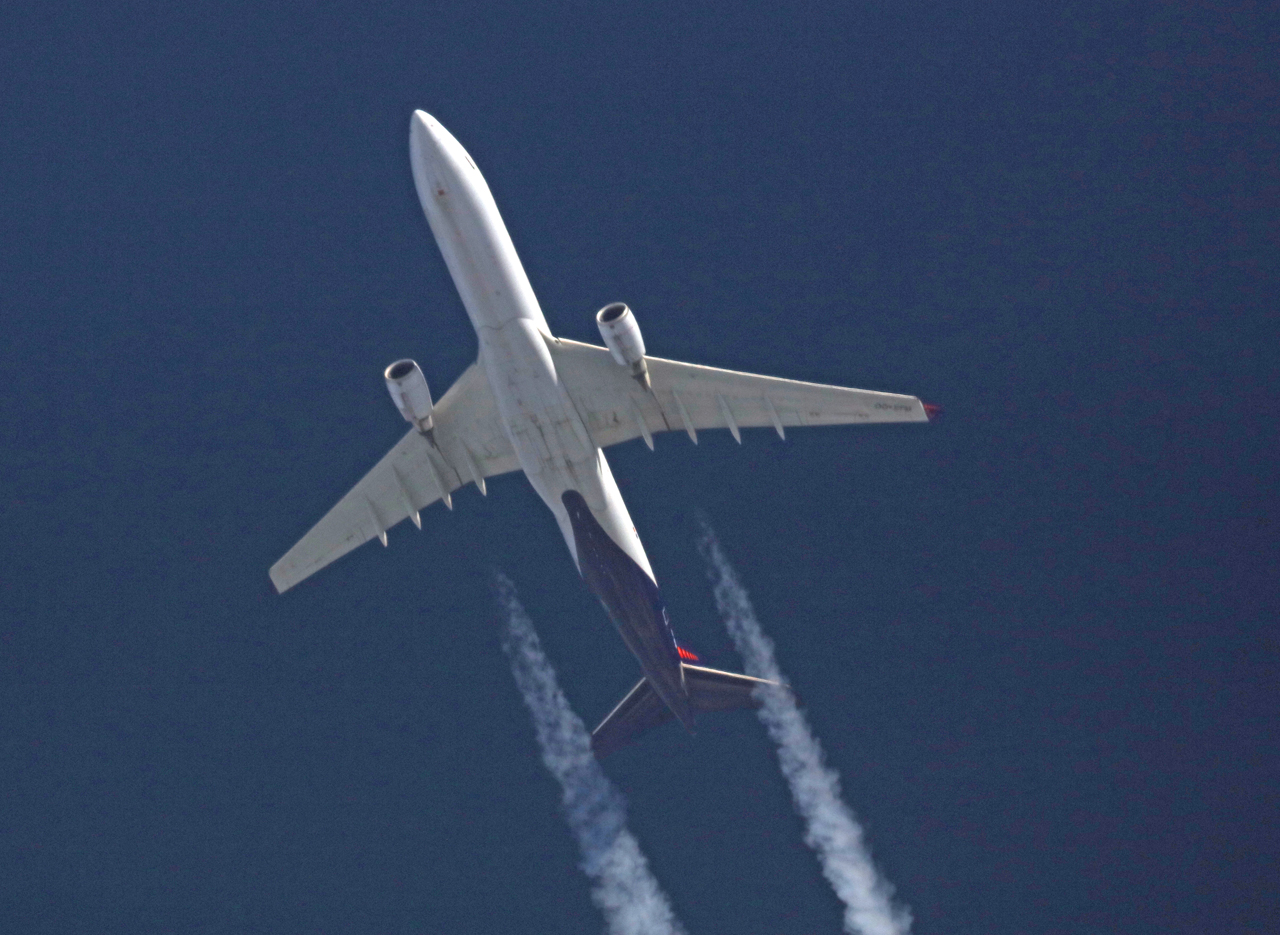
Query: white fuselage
[546, 430]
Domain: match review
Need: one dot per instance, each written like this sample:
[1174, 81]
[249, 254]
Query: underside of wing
[690, 397]
[467, 445]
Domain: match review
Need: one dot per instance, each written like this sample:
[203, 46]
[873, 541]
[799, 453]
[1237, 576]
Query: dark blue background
[1038, 638]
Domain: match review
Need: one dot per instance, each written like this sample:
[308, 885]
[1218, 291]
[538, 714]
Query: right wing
[470, 445]
[688, 397]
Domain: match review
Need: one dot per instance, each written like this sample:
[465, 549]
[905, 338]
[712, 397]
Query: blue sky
[1037, 638]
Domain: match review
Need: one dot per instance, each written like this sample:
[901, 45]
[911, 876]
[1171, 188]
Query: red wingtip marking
[685, 654]
[931, 411]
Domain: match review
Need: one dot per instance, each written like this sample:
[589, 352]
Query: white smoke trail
[625, 890]
[831, 829]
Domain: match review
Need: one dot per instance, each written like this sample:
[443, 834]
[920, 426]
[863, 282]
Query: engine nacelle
[409, 391]
[621, 335]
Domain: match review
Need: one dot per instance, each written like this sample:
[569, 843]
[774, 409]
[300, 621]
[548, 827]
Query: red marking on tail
[686, 655]
[931, 411]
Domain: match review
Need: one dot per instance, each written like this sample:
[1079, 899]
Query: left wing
[470, 444]
[689, 397]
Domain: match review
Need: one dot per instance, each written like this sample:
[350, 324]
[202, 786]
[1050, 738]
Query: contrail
[830, 826]
[625, 890]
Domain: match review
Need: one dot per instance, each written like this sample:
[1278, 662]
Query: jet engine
[622, 336]
[409, 391]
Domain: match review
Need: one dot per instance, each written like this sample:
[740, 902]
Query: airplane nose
[425, 154]
[422, 137]
[422, 121]
[440, 164]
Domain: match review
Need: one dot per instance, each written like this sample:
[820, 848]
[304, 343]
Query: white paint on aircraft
[541, 404]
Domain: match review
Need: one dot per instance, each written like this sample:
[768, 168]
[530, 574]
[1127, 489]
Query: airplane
[549, 406]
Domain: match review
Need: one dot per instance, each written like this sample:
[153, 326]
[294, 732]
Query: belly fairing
[553, 446]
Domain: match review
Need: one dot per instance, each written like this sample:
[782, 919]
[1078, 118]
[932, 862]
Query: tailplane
[642, 710]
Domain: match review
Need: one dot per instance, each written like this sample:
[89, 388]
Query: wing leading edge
[689, 397]
[470, 445]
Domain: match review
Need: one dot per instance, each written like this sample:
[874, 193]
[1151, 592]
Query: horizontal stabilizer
[714, 690]
[638, 713]
[642, 710]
